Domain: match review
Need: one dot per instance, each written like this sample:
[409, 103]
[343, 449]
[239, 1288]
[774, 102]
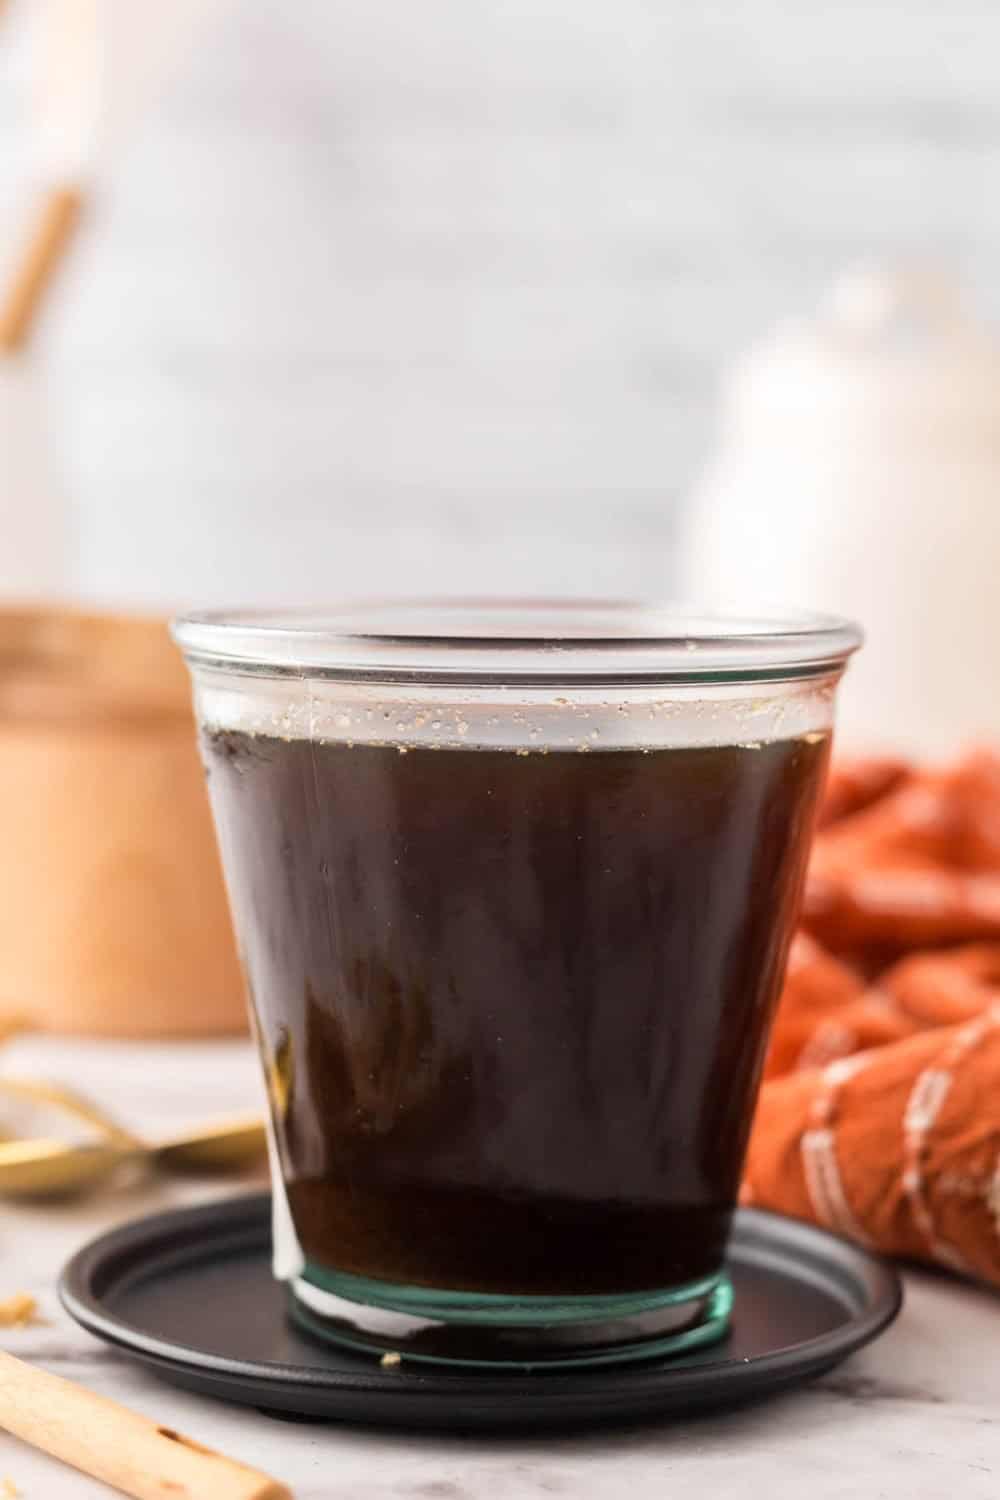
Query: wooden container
[113, 917]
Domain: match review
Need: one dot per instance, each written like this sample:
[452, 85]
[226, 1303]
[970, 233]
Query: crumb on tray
[19, 1311]
[390, 1361]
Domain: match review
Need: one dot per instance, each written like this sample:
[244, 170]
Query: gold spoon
[50, 1169]
[40, 1168]
[229, 1146]
[61, 1096]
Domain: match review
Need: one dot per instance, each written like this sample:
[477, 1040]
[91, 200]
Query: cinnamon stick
[50, 237]
[118, 1446]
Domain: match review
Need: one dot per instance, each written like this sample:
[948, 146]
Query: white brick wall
[407, 296]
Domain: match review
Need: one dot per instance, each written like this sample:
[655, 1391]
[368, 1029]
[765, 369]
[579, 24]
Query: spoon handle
[60, 1096]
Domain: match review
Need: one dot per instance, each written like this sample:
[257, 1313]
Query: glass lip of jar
[511, 641]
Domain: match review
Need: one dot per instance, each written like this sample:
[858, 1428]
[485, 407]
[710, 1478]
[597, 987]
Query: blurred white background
[378, 296]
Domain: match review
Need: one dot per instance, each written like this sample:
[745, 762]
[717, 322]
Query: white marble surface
[916, 1416]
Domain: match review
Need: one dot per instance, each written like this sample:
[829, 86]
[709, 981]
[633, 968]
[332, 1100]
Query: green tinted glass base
[489, 1331]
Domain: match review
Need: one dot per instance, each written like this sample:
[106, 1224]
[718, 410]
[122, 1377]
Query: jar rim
[509, 640]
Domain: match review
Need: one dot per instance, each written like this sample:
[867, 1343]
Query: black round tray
[190, 1293]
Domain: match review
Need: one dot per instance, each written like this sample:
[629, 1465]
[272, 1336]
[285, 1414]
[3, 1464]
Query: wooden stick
[57, 219]
[118, 1446]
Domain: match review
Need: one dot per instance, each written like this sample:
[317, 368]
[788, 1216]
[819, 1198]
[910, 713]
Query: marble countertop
[914, 1416]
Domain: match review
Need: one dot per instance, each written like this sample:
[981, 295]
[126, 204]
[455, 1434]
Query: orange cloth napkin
[880, 1113]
